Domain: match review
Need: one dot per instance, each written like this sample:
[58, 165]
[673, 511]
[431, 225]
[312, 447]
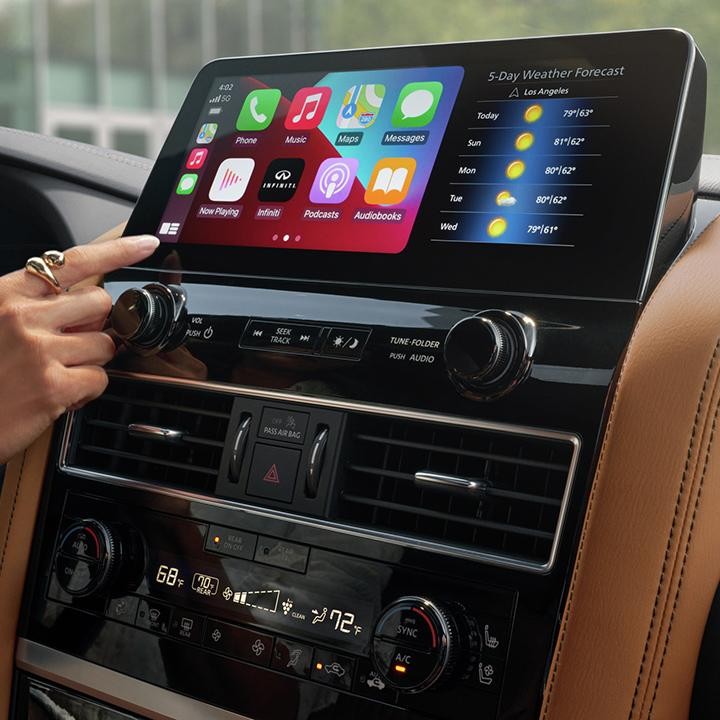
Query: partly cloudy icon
[505, 199]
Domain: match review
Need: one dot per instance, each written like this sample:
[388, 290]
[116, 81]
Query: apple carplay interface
[461, 159]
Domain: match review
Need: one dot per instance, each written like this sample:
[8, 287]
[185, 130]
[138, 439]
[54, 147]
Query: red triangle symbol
[272, 475]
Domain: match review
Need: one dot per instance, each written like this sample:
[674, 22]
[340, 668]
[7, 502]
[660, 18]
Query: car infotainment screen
[338, 161]
[528, 165]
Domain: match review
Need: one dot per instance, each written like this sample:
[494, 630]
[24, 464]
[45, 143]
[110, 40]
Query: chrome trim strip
[667, 182]
[154, 432]
[356, 531]
[112, 687]
[455, 483]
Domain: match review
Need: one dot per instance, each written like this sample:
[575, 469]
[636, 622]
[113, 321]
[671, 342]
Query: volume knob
[150, 319]
[487, 354]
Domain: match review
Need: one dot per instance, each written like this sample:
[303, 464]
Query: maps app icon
[360, 106]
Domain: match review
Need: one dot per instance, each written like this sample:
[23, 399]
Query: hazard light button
[273, 472]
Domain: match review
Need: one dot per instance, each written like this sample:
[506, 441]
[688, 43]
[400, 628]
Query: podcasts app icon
[334, 180]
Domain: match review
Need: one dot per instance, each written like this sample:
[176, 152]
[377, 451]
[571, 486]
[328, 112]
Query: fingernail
[145, 242]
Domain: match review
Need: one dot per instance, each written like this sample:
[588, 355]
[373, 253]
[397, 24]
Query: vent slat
[121, 427]
[447, 516]
[109, 397]
[147, 459]
[103, 444]
[461, 452]
[488, 492]
[517, 515]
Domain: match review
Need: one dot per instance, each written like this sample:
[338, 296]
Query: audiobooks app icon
[390, 181]
[231, 179]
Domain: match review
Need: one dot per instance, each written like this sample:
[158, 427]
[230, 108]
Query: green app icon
[417, 104]
[258, 109]
[186, 184]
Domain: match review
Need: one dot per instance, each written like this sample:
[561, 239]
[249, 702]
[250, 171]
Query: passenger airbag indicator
[285, 425]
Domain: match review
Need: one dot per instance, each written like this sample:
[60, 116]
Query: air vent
[503, 495]
[156, 433]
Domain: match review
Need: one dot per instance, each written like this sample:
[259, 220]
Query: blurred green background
[114, 72]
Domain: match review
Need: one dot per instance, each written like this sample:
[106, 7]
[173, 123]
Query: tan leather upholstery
[649, 557]
[19, 502]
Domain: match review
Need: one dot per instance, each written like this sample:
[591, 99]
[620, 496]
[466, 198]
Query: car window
[114, 72]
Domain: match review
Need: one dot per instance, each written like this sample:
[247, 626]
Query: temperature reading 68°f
[581, 112]
[550, 199]
[542, 229]
[560, 169]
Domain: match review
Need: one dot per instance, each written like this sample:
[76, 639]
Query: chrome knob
[489, 353]
[151, 319]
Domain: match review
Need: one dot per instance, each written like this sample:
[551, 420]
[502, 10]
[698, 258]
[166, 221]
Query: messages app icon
[417, 104]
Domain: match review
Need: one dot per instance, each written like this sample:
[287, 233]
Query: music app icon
[307, 108]
[196, 158]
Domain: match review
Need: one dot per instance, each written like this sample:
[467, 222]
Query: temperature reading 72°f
[344, 621]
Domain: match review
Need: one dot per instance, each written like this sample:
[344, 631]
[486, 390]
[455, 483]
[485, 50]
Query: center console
[345, 450]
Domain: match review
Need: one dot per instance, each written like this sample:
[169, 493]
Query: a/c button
[273, 472]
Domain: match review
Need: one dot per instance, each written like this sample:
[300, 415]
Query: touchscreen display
[338, 161]
[533, 165]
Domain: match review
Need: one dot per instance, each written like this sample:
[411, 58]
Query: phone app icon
[390, 181]
[281, 179]
[187, 184]
[196, 158]
[360, 106]
[417, 104]
[231, 179]
[258, 110]
[334, 180]
[307, 108]
[207, 133]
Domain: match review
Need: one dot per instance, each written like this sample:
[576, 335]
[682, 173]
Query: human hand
[52, 348]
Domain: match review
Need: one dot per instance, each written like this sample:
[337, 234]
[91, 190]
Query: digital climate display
[254, 594]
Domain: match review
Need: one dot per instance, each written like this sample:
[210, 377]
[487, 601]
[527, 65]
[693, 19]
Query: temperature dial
[419, 643]
[489, 353]
[94, 557]
[87, 558]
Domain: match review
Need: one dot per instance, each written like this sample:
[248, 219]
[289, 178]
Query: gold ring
[41, 267]
[54, 258]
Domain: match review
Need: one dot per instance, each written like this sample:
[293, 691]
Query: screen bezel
[615, 272]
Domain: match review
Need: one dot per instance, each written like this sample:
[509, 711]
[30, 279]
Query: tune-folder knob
[488, 354]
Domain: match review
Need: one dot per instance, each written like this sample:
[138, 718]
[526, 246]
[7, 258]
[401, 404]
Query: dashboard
[345, 452]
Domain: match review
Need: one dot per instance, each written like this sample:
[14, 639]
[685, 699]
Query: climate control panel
[318, 616]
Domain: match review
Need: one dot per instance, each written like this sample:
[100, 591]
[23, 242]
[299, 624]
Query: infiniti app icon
[281, 179]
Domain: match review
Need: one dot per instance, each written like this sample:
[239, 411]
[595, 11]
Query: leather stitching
[569, 604]
[668, 548]
[569, 607]
[81, 147]
[684, 560]
[12, 513]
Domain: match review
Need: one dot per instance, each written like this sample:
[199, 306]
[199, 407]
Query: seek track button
[283, 337]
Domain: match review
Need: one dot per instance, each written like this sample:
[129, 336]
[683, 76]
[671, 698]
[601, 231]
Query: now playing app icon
[281, 179]
[231, 179]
